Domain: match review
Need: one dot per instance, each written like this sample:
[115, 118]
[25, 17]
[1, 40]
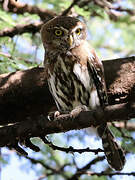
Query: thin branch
[130, 126]
[21, 8]
[45, 15]
[89, 173]
[42, 177]
[9, 56]
[123, 133]
[21, 28]
[113, 12]
[86, 167]
[66, 11]
[71, 149]
[105, 4]
[53, 170]
[36, 161]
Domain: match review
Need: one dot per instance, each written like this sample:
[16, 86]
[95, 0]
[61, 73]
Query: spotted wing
[95, 68]
[113, 152]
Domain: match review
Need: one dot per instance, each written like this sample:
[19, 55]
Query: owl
[76, 77]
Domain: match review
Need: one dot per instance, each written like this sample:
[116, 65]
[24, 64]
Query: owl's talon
[53, 115]
[49, 118]
[78, 109]
[56, 114]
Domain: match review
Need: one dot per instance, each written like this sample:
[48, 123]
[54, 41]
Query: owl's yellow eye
[78, 31]
[58, 32]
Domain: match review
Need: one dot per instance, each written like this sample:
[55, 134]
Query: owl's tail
[113, 152]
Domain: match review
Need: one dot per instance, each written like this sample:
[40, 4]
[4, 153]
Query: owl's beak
[70, 40]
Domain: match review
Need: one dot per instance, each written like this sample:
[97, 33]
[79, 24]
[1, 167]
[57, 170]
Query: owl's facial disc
[63, 34]
[66, 39]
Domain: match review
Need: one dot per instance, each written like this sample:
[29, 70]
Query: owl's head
[63, 33]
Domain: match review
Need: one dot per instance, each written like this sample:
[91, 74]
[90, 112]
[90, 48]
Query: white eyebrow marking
[62, 28]
[79, 26]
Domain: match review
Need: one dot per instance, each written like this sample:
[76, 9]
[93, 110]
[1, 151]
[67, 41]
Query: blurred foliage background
[112, 33]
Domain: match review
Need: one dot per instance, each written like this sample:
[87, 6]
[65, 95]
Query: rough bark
[41, 126]
[25, 94]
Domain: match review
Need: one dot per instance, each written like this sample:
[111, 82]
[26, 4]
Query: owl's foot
[78, 109]
[52, 115]
[56, 114]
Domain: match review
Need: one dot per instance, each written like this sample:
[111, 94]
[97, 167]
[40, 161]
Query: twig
[36, 161]
[66, 11]
[108, 7]
[89, 173]
[130, 126]
[86, 167]
[55, 170]
[123, 134]
[71, 149]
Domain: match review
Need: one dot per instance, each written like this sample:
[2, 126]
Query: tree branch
[113, 11]
[42, 126]
[21, 28]
[26, 98]
[70, 149]
[86, 167]
[45, 15]
[106, 173]
[130, 126]
[21, 8]
[66, 11]
[58, 170]
[25, 94]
